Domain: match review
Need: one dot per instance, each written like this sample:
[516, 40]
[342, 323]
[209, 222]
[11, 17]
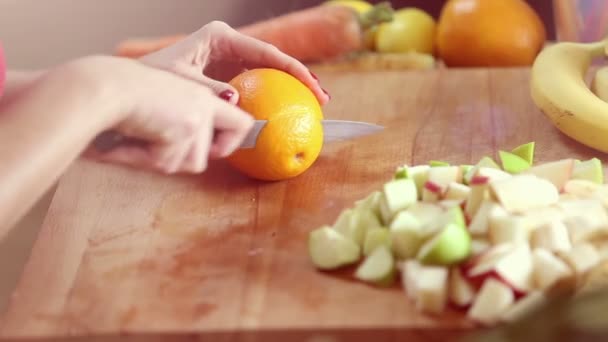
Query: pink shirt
[2, 70]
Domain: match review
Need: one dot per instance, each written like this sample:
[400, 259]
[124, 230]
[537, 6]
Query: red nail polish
[326, 93]
[313, 75]
[226, 94]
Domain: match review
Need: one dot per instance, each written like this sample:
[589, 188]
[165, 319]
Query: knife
[333, 130]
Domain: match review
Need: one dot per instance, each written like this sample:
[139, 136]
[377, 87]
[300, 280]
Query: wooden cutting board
[130, 251]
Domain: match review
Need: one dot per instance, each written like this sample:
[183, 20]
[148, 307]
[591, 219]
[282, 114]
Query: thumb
[222, 89]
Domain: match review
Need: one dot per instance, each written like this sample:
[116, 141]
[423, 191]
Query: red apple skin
[432, 187]
[479, 180]
[2, 70]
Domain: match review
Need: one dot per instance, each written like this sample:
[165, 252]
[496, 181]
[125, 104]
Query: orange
[292, 138]
[477, 33]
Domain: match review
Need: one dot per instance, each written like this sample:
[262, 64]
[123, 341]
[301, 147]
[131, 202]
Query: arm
[43, 131]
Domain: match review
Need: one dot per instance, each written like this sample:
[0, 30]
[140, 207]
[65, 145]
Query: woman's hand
[216, 53]
[182, 122]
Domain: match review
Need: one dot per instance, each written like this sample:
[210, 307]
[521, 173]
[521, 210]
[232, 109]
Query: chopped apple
[401, 172]
[448, 204]
[461, 293]
[457, 191]
[580, 188]
[601, 194]
[492, 174]
[438, 163]
[406, 235]
[508, 229]
[425, 212]
[557, 172]
[397, 195]
[410, 271]
[371, 202]
[451, 245]
[480, 221]
[590, 170]
[431, 192]
[514, 267]
[523, 192]
[524, 306]
[525, 151]
[548, 268]
[464, 170]
[513, 163]
[479, 246]
[375, 237]
[479, 190]
[353, 224]
[431, 289]
[492, 301]
[540, 216]
[377, 268]
[483, 162]
[552, 236]
[581, 257]
[443, 176]
[418, 173]
[329, 249]
[584, 219]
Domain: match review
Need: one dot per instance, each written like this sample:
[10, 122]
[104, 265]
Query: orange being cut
[292, 138]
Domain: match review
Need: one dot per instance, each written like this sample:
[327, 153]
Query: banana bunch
[558, 87]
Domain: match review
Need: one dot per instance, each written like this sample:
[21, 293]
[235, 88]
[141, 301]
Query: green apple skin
[590, 170]
[452, 245]
[512, 163]
[328, 249]
[401, 172]
[525, 152]
[438, 163]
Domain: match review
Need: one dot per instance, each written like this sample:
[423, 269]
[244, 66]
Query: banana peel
[559, 90]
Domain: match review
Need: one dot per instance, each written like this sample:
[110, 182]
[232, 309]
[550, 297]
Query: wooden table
[125, 251]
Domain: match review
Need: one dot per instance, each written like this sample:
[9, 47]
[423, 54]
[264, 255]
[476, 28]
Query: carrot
[313, 34]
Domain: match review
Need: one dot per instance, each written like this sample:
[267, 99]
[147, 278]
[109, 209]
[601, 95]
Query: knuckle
[218, 25]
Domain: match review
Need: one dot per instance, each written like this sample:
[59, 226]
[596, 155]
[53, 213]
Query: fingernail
[313, 75]
[226, 94]
[326, 93]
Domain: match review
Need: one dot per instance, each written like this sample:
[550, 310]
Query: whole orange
[477, 33]
[292, 138]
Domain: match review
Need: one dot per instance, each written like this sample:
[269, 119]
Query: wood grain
[126, 251]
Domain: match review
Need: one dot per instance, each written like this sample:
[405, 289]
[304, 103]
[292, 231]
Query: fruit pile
[494, 240]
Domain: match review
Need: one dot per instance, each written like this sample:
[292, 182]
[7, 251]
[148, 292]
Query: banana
[599, 85]
[559, 90]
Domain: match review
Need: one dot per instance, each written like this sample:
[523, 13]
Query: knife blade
[333, 130]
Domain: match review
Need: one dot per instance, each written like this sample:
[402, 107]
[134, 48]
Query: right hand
[176, 117]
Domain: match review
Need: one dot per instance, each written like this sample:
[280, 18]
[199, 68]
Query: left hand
[216, 53]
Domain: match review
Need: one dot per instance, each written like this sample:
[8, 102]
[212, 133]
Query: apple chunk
[478, 193]
[481, 221]
[431, 289]
[514, 267]
[557, 172]
[525, 151]
[406, 235]
[486, 162]
[580, 188]
[552, 236]
[523, 192]
[371, 202]
[451, 245]
[525, 306]
[329, 249]
[461, 293]
[581, 257]
[508, 229]
[418, 173]
[375, 237]
[425, 212]
[513, 163]
[353, 223]
[492, 301]
[457, 191]
[584, 218]
[397, 195]
[590, 170]
[377, 268]
[548, 269]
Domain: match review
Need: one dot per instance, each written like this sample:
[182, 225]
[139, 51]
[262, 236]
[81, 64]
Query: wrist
[91, 81]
